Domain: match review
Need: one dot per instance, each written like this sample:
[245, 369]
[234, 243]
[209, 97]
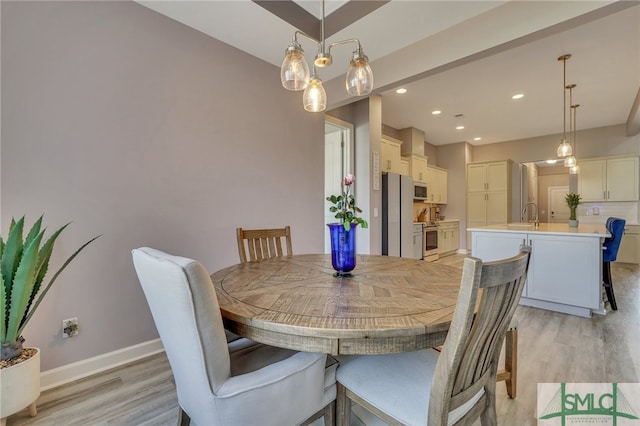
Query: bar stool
[615, 226]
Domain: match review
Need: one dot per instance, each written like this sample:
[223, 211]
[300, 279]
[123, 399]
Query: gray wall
[138, 128]
[601, 141]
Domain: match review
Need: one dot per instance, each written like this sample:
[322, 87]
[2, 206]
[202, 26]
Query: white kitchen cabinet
[629, 251]
[564, 271]
[390, 155]
[405, 168]
[490, 176]
[487, 208]
[437, 185]
[558, 271]
[497, 246]
[488, 193]
[448, 236]
[609, 179]
[418, 167]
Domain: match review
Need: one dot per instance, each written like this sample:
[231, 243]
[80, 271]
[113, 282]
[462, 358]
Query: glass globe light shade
[294, 73]
[314, 98]
[564, 148]
[359, 78]
[570, 161]
[574, 170]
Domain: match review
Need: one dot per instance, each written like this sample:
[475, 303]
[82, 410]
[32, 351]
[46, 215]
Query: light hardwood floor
[553, 347]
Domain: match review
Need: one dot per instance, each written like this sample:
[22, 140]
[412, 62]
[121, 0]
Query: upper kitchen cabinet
[418, 167]
[491, 176]
[609, 179]
[435, 178]
[390, 155]
[405, 168]
[437, 185]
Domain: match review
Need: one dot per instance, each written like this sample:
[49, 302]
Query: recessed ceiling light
[518, 96]
[401, 90]
[459, 127]
[436, 112]
[477, 139]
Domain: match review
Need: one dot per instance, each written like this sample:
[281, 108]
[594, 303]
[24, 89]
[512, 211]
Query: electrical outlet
[70, 328]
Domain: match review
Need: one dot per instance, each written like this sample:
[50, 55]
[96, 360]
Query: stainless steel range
[430, 241]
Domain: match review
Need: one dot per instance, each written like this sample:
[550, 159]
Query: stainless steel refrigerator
[397, 215]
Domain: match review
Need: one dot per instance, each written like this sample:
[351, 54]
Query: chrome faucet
[524, 215]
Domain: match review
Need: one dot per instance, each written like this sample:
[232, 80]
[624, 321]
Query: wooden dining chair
[509, 374]
[456, 386]
[255, 245]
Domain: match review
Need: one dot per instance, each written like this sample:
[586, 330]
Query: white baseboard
[87, 367]
[462, 251]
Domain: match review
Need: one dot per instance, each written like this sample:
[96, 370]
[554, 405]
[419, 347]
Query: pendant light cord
[322, 29]
[564, 100]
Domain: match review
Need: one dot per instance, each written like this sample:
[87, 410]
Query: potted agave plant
[572, 200]
[23, 265]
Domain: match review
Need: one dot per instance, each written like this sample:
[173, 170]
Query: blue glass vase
[343, 248]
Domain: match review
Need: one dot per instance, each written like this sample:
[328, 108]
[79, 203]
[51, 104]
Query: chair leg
[608, 284]
[343, 407]
[330, 414]
[183, 418]
[511, 361]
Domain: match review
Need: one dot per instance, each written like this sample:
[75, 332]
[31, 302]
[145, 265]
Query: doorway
[558, 209]
[338, 161]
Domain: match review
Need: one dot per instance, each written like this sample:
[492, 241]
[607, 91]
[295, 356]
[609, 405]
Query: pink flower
[349, 179]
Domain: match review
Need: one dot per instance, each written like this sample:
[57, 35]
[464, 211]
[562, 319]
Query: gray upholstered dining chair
[456, 386]
[219, 383]
[255, 245]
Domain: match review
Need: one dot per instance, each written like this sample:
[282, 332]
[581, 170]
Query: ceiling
[459, 57]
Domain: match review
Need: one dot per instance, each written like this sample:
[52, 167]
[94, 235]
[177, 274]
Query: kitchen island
[565, 270]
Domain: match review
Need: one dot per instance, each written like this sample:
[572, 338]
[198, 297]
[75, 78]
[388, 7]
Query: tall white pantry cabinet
[488, 193]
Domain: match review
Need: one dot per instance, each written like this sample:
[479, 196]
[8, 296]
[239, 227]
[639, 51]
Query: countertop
[437, 222]
[583, 230]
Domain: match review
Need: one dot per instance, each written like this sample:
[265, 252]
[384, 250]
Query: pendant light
[359, 78]
[314, 98]
[570, 160]
[564, 148]
[294, 73]
[575, 169]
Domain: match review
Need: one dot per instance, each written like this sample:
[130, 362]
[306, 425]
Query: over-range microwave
[419, 191]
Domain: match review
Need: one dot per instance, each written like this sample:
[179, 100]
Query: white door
[558, 209]
[338, 161]
[332, 176]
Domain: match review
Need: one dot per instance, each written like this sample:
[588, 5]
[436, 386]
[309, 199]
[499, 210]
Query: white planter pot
[20, 386]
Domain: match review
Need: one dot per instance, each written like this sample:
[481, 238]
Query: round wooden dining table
[390, 304]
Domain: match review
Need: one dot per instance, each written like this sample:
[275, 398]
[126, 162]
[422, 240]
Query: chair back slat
[254, 245]
[467, 366]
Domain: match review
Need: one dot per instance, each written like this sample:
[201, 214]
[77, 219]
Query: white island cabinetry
[565, 270]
